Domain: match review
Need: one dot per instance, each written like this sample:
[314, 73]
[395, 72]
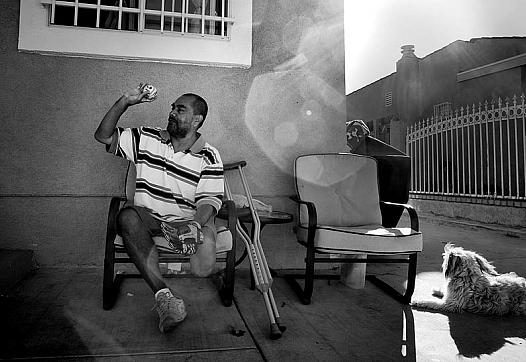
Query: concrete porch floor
[57, 313]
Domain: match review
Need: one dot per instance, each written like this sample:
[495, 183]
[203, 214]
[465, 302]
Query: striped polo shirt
[171, 185]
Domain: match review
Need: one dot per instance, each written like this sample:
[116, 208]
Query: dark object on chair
[394, 182]
[339, 213]
[115, 252]
[394, 169]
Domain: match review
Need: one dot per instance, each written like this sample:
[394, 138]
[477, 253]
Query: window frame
[142, 11]
[233, 50]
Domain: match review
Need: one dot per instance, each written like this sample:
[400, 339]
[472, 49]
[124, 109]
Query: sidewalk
[58, 313]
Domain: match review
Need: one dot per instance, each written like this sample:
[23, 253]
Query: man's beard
[175, 131]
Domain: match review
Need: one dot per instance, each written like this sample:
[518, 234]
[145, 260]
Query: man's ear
[452, 264]
[197, 120]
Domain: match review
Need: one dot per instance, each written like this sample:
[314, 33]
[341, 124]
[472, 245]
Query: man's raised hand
[143, 93]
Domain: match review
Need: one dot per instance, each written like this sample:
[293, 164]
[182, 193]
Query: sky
[376, 29]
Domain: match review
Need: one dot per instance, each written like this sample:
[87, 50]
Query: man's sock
[164, 290]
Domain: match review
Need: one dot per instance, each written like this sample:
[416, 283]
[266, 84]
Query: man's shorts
[155, 229]
[152, 224]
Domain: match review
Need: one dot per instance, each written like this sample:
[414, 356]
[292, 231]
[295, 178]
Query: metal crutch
[256, 256]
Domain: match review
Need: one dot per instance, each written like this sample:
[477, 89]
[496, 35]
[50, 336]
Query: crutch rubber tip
[280, 326]
[275, 333]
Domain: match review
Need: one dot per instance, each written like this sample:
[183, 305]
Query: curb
[516, 232]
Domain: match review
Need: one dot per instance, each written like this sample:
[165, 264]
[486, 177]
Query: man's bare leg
[140, 247]
[203, 261]
[143, 252]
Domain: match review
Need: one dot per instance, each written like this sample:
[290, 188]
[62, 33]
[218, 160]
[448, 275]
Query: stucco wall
[369, 102]
[56, 181]
[439, 73]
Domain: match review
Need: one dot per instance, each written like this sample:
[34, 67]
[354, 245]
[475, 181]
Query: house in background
[272, 73]
[459, 114]
[460, 74]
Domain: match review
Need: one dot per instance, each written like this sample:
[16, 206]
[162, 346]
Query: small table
[265, 217]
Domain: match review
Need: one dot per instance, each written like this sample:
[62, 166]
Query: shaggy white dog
[473, 285]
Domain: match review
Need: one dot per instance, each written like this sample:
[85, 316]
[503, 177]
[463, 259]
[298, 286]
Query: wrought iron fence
[477, 152]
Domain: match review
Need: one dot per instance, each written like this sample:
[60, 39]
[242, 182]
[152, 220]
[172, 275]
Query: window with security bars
[203, 17]
[443, 110]
[388, 99]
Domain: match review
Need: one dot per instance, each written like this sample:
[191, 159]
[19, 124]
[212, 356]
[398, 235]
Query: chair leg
[226, 286]
[110, 285]
[226, 278]
[411, 276]
[109, 288]
[305, 293]
[411, 279]
[309, 276]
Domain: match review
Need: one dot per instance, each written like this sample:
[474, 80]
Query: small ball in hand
[152, 91]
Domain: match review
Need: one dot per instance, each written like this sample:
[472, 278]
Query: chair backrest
[343, 186]
[131, 175]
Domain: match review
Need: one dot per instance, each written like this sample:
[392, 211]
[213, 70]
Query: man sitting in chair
[179, 188]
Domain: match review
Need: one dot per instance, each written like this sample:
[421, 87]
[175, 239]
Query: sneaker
[171, 310]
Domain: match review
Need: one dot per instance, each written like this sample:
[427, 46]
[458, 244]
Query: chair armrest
[311, 212]
[233, 165]
[410, 209]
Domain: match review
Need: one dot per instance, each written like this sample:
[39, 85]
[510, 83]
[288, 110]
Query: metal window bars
[165, 16]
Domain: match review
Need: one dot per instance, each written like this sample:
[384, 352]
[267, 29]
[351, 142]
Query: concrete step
[14, 266]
